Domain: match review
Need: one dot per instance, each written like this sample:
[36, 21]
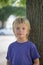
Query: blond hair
[19, 20]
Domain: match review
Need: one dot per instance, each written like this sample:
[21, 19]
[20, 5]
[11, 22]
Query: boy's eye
[23, 28]
[17, 28]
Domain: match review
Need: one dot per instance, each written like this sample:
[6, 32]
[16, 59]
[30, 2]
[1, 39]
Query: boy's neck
[22, 40]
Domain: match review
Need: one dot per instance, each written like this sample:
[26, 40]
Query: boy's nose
[20, 30]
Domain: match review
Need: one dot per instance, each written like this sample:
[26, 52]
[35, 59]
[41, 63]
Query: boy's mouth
[19, 34]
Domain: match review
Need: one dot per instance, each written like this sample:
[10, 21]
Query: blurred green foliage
[4, 3]
[6, 9]
[5, 12]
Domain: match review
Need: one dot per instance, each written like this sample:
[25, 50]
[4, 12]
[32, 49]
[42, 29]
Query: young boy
[22, 51]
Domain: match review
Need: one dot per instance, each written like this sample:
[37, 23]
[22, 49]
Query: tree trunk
[34, 12]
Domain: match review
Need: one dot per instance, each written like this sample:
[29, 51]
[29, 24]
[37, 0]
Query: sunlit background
[8, 12]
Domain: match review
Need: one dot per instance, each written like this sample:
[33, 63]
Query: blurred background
[9, 10]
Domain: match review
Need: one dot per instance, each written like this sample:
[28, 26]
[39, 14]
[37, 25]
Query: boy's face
[21, 30]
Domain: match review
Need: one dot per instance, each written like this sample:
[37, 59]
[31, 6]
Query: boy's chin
[21, 37]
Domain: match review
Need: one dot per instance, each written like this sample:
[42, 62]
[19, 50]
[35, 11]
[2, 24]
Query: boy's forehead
[20, 24]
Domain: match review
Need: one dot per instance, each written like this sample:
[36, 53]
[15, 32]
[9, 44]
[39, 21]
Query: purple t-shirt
[22, 53]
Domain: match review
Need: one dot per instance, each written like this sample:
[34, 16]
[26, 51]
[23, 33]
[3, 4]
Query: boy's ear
[28, 32]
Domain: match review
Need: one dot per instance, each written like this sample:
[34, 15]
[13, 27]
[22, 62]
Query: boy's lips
[20, 34]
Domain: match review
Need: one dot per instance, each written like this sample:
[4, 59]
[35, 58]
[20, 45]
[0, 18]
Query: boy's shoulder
[32, 44]
[12, 44]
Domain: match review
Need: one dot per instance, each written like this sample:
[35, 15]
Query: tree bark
[34, 12]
